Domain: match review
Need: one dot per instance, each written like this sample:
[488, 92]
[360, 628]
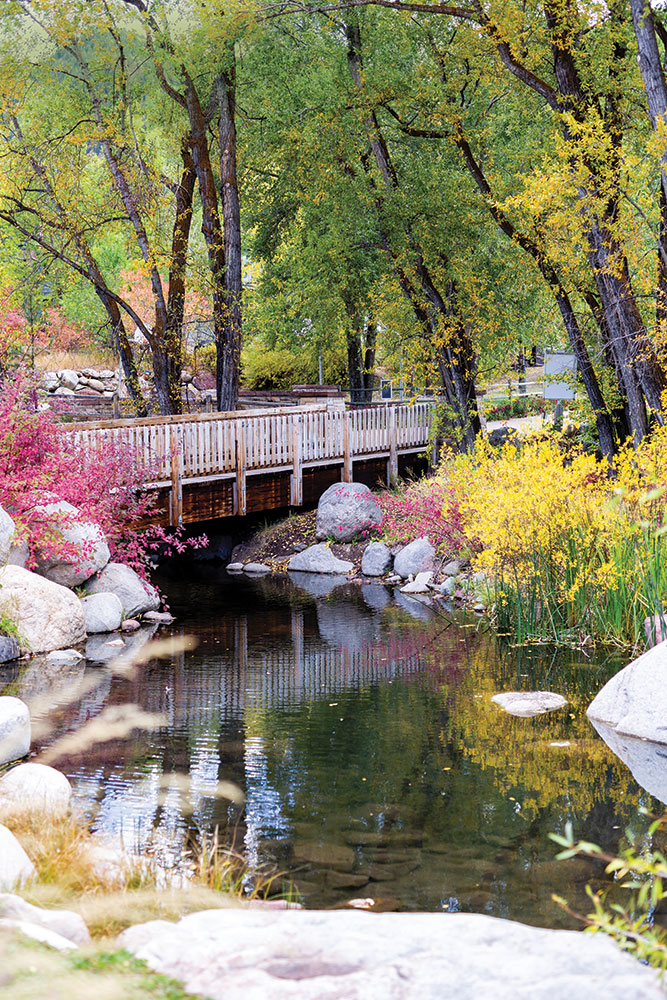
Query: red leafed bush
[414, 511]
[39, 465]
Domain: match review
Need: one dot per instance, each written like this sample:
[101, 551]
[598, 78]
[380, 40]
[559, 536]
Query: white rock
[529, 703]
[49, 381]
[35, 788]
[634, 701]
[64, 391]
[409, 560]
[136, 596]
[257, 569]
[64, 657]
[107, 864]
[68, 378]
[419, 585]
[243, 954]
[103, 612]
[448, 586]
[319, 559]
[15, 865]
[64, 923]
[38, 933]
[47, 616]
[7, 532]
[346, 509]
[235, 567]
[452, 568]
[376, 560]
[14, 729]
[159, 617]
[87, 538]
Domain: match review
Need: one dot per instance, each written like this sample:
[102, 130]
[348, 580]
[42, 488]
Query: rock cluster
[44, 612]
[87, 382]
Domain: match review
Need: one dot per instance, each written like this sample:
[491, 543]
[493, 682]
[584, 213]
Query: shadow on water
[374, 764]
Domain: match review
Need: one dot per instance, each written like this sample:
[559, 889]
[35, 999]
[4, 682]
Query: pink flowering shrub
[417, 510]
[39, 466]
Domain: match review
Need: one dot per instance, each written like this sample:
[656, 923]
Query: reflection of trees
[333, 731]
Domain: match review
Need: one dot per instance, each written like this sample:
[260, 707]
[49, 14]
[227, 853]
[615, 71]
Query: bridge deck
[212, 465]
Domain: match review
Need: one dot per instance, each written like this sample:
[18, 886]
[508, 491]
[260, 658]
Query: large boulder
[634, 701]
[135, 595]
[319, 559]
[87, 547]
[14, 729]
[35, 788]
[7, 532]
[67, 924]
[312, 955]
[344, 510]
[103, 612]
[15, 865]
[376, 560]
[409, 560]
[46, 615]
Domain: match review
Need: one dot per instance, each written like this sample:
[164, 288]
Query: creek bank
[252, 955]
[39, 610]
[350, 511]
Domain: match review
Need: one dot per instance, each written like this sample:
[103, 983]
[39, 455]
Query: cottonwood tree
[569, 65]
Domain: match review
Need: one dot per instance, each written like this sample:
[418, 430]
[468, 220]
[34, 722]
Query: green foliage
[640, 871]
[9, 627]
[279, 368]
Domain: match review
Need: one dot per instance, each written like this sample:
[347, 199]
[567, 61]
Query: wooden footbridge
[214, 465]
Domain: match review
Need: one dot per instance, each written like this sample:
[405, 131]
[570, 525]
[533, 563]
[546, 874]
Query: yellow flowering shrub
[574, 549]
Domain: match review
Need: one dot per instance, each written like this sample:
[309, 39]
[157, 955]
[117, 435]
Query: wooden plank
[392, 464]
[176, 497]
[296, 429]
[186, 418]
[347, 451]
[241, 461]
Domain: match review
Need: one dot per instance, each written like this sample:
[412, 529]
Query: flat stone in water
[528, 703]
[344, 880]
[325, 855]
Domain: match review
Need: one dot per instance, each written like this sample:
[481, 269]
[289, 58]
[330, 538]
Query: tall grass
[586, 590]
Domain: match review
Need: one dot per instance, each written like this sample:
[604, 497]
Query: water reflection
[371, 756]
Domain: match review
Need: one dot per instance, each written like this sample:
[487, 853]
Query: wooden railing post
[176, 496]
[240, 497]
[296, 423]
[347, 448]
[392, 464]
[434, 452]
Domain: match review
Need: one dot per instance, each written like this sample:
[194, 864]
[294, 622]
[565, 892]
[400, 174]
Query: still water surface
[359, 725]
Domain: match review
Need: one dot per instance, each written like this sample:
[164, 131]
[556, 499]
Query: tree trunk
[229, 348]
[456, 362]
[173, 333]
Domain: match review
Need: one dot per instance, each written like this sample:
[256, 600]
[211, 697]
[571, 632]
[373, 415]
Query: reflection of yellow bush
[556, 758]
[565, 540]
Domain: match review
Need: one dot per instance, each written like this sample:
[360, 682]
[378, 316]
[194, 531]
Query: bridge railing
[183, 449]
